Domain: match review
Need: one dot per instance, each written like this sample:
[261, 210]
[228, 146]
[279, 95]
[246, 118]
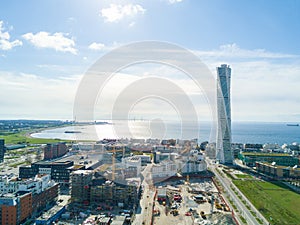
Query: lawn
[274, 200]
[243, 176]
[21, 138]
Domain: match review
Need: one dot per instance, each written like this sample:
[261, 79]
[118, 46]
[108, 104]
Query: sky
[47, 46]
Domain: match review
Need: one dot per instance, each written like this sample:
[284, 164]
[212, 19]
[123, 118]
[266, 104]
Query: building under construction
[80, 184]
[111, 193]
[87, 189]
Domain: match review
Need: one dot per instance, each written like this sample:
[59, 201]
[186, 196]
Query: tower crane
[114, 152]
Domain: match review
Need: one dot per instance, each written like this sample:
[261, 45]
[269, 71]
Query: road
[226, 183]
[144, 211]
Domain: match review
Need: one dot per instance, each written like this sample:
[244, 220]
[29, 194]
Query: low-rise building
[59, 171]
[15, 208]
[277, 171]
[80, 186]
[111, 193]
[55, 150]
[210, 150]
[252, 147]
[133, 161]
[43, 190]
[36, 185]
[54, 213]
[250, 158]
[271, 147]
[8, 185]
[192, 166]
[164, 169]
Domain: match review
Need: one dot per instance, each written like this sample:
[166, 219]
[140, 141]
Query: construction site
[186, 203]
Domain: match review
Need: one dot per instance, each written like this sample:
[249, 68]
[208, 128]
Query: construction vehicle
[174, 212]
[188, 214]
[218, 206]
[203, 215]
[177, 198]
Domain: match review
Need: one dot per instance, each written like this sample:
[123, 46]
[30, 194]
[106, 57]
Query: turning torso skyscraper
[223, 151]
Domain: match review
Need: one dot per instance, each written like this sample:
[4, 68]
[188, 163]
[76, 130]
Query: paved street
[144, 211]
[226, 183]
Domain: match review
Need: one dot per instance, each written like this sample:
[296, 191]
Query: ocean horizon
[242, 132]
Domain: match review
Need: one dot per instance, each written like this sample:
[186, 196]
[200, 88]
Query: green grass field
[243, 176]
[21, 138]
[274, 200]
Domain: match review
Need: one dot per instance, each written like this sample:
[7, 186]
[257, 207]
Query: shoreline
[241, 133]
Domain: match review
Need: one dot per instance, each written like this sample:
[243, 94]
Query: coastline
[256, 133]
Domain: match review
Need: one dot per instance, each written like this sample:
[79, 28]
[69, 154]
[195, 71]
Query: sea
[242, 132]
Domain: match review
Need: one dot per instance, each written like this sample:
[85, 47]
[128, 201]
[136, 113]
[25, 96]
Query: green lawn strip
[272, 200]
[243, 176]
[243, 220]
[22, 138]
[15, 165]
[12, 157]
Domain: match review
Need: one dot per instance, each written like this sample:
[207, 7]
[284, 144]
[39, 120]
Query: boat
[72, 132]
[293, 125]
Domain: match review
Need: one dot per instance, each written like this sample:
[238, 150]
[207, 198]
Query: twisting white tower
[224, 153]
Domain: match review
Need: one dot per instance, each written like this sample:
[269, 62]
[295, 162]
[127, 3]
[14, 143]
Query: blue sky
[46, 46]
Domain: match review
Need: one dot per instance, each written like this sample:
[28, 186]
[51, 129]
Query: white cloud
[174, 1]
[264, 83]
[131, 24]
[49, 97]
[234, 51]
[264, 87]
[5, 43]
[96, 46]
[57, 41]
[115, 12]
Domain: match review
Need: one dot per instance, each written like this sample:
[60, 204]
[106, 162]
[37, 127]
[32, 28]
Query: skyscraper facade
[223, 147]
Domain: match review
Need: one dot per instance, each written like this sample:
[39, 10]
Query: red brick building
[52, 151]
[45, 198]
[15, 208]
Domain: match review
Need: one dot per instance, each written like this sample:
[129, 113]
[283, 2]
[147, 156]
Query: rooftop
[62, 202]
[83, 172]
[282, 167]
[53, 163]
[76, 167]
[264, 154]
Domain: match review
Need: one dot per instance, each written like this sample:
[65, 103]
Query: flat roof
[83, 172]
[162, 191]
[118, 220]
[53, 163]
[264, 154]
[76, 167]
[278, 166]
[62, 202]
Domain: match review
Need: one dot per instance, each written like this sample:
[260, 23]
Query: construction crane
[188, 170]
[114, 152]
